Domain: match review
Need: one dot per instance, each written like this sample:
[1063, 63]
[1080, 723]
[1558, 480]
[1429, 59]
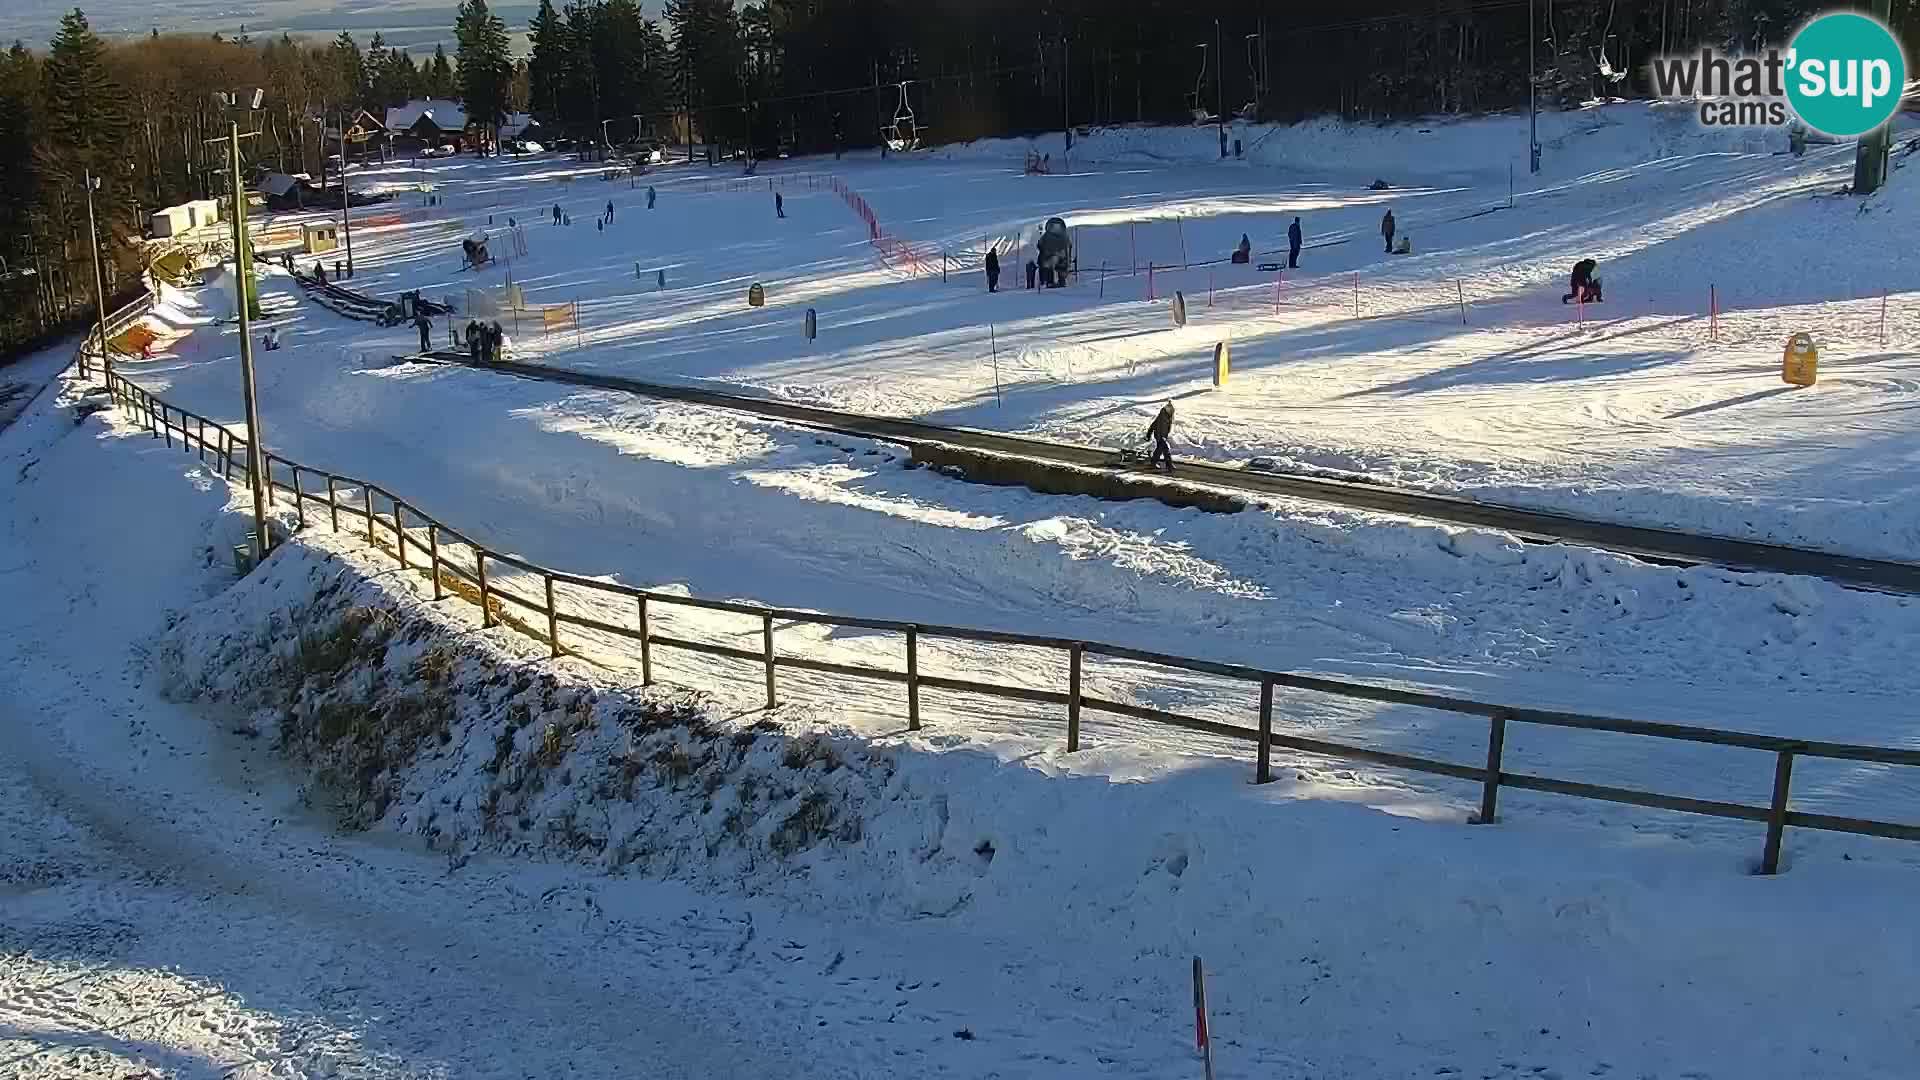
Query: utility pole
[346, 226]
[1533, 98]
[1870, 154]
[92, 183]
[256, 451]
[1219, 101]
[1066, 99]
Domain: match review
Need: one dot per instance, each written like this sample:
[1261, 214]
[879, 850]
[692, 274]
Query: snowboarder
[319, 272]
[1386, 230]
[1293, 244]
[556, 213]
[1033, 271]
[779, 205]
[425, 326]
[1582, 285]
[993, 269]
[272, 339]
[1243, 254]
[1159, 431]
[649, 196]
[609, 211]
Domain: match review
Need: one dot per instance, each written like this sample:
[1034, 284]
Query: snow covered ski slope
[173, 903]
[812, 891]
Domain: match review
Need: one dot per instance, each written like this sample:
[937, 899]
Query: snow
[1642, 409]
[446, 115]
[173, 907]
[977, 878]
[670, 496]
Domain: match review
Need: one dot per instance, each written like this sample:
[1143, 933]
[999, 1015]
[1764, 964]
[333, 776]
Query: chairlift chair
[904, 132]
[1199, 112]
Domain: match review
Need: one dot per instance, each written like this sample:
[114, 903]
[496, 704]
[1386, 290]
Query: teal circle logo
[1845, 74]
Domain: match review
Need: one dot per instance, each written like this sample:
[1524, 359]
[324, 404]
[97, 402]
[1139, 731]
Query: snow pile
[402, 722]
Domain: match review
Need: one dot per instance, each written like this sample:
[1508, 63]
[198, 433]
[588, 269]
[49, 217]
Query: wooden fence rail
[404, 531]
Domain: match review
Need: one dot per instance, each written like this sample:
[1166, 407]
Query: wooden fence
[421, 543]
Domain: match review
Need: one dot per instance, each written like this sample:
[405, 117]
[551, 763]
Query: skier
[1293, 244]
[1159, 431]
[473, 341]
[425, 326]
[1582, 285]
[319, 272]
[272, 339]
[556, 213]
[496, 340]
[1244, 252]
[649, 196]
[1386, 230]
[609, 211]
[779, 205]
[993, 269]
[1033, 270]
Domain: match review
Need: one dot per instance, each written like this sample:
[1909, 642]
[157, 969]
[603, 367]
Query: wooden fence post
[1490, 784]
[433, 557]
[480, 568]
[399, 531]
[367, 490]
[646, 646]
[299, 500]
[766, 644]
[1073, 698]
[553, 619]
[201, 450]
[913, 678]
[1263, 770]
[166, 427]
[333, 505]
[1777, 812]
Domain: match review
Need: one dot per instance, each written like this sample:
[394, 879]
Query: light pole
[346, 223]
[1870, 154]
[1533, 98]
[256, 452]
[1219, 100]
[1066, 99]
[92, 184]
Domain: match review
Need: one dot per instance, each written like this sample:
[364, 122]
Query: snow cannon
[1056, 253]
[474, 249]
